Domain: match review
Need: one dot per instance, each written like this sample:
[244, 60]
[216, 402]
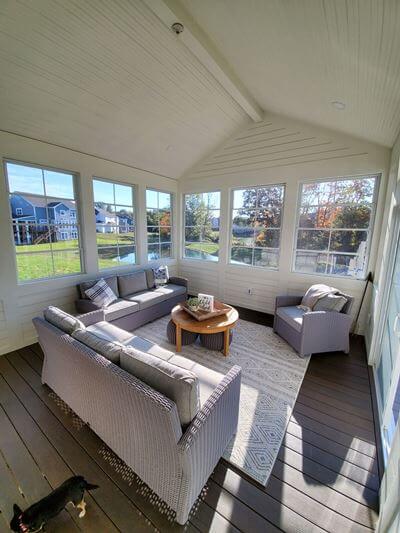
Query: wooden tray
[219, 309]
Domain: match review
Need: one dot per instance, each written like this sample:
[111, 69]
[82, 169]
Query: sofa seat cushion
[176, 383]
[111, 281]
[146, 299]
[110, 333]
[109, 349]
[170, 290]
[292, 315]
[120, 308]
[146, 346]
[62, 320]
[131, 283]
[208, 379]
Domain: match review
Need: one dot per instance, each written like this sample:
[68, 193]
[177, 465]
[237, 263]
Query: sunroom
[200, 265]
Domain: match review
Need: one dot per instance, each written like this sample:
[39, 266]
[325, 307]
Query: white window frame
[19, 211]
[369, 230]
[183, 212]
[116, 225]
[76, 191]
[172, 256]
[231, 209]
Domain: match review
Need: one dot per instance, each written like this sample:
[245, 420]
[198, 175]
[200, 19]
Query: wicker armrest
[325, 319]
[92, 317]
[177, 280]
[287, 300]
[83, 305]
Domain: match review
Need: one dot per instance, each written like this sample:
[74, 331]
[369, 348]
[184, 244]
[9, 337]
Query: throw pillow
[161, 275]
[101, 294]
[331, 302]
[62, 320]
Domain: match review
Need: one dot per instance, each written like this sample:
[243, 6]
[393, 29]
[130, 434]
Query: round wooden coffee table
[217, 324]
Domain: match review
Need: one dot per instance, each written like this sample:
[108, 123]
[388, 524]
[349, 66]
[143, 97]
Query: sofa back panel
[176, 383]
[111, 281]
[150, 278]
[131, 283]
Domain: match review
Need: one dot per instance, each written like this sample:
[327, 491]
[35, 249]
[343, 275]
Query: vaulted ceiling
[298, 56]
[109, 78]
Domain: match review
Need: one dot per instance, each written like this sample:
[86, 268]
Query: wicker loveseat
[139, 423]
[312, 331]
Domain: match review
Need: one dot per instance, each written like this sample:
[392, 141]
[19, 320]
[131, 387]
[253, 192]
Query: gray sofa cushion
[120, 308]
[132, 283]
[109, 332]
[179, 385]
[292, 315]
[146, 298]
[146, 346]
[170, 290]
[109, 349]
[331, 302]
[111, 281]
[62, 320]
[208, 379]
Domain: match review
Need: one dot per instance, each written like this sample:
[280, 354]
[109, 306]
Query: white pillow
[101, 293]
[330, 302]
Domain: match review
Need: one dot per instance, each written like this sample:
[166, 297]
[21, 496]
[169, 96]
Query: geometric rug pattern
[272, 374]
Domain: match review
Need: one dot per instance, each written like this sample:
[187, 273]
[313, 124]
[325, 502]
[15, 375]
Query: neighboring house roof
[40, 201]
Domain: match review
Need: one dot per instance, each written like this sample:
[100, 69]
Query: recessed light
[337, 104]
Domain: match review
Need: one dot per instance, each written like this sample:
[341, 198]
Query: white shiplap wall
[19, 303]
[279, 150]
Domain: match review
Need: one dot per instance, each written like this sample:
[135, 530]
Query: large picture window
[115, 223]
[159, 225]
[256, 226]
[202, 216]
[335, 225]
[44, 220]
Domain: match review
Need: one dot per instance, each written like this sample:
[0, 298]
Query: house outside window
[159, 225]
[256, 219]
[44, 249]
[114, 211]
[334, 226]
[202, 220]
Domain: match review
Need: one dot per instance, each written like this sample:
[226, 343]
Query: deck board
[325, 478]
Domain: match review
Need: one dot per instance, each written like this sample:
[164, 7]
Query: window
[202, 216]
[115, 223]
[41, 249]
[335, 225]
[159, 225]
[62, 213]
[256, 226]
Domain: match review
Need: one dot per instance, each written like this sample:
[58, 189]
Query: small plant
[193, 303]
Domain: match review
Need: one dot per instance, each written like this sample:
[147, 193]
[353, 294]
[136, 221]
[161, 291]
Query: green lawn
[208, 247]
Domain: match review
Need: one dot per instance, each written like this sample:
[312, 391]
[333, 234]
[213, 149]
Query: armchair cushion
[292, 315]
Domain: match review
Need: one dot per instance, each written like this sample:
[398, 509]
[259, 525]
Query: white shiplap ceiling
[297, 56]
[110, 79]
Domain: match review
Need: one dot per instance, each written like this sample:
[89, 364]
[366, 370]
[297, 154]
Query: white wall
[19, 303]
[279, 150]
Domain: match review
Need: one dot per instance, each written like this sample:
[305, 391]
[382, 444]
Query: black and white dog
[38, 514]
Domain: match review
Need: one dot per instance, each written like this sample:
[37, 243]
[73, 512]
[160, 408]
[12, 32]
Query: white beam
[170, 11]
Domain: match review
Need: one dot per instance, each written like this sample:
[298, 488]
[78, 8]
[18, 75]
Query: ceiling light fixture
[177, 28]
[337, 104]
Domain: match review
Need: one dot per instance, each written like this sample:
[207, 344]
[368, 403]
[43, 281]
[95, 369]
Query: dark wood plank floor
[326, 477]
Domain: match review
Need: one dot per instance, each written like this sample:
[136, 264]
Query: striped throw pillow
[101, 294]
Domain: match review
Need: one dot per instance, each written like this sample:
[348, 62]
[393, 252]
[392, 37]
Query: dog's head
[19, 522]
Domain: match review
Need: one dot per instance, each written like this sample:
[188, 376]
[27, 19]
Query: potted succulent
[193, 304]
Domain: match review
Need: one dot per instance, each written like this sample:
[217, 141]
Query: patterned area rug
[272, 374]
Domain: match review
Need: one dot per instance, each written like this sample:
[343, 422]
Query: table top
[214, 324]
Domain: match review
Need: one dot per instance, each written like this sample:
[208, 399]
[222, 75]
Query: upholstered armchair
[311, 332]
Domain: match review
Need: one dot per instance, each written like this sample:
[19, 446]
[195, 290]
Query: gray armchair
[311, 332]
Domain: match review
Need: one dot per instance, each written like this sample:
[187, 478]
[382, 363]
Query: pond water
[198, 254]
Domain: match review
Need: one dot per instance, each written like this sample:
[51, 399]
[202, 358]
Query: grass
[208, 247]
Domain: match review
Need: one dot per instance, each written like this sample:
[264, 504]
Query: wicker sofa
[312, 331]
[138, 422]
[139, 300]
